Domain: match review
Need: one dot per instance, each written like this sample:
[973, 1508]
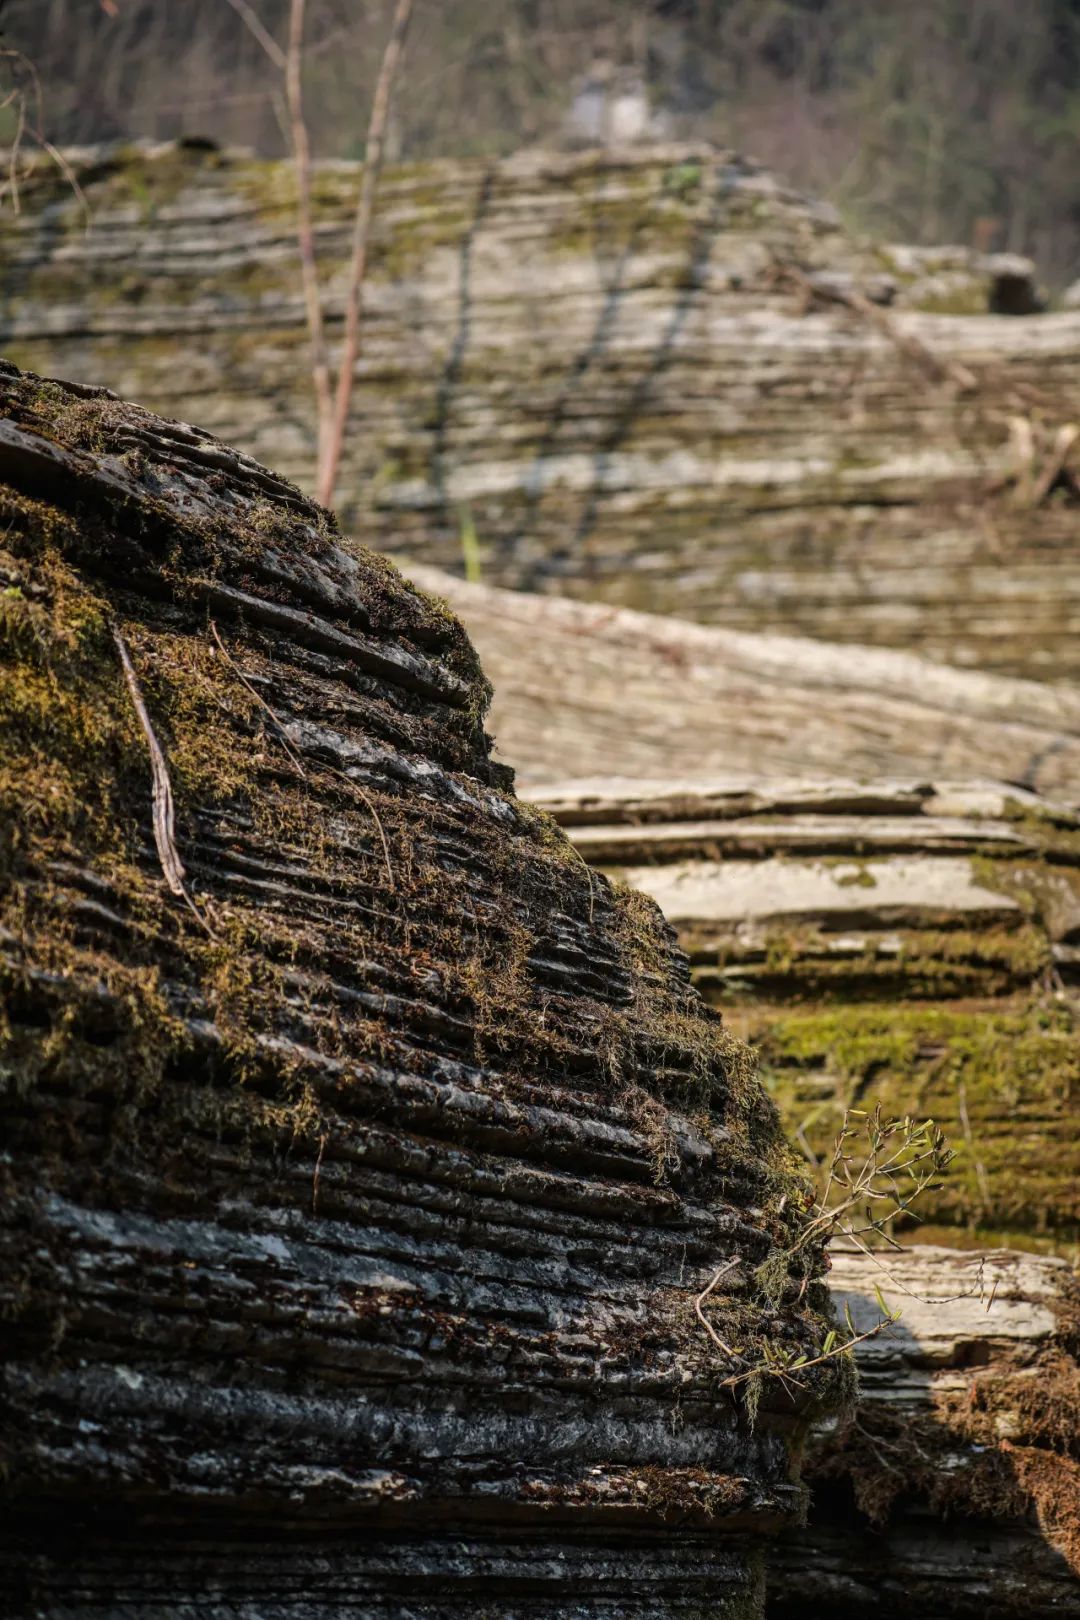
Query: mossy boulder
[360, 1177]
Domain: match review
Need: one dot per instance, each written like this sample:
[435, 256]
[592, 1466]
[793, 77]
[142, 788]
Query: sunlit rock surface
[653, 377]
[910, 944]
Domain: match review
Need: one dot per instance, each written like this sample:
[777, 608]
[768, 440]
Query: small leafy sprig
[879, 1167]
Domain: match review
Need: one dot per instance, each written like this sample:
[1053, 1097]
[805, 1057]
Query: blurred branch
[269, 44]
[373, 157]
[29, 125]
[305, 231]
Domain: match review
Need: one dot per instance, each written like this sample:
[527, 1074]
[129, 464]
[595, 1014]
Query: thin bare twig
[923, 1299]
[359, 791]
[1057, 463]
[259, 699]
[305, 230]
[373, 156]
[164, 817]
[940, 369]
[16, 146]
[294, 759]
[721, 1271]
[33, 128]
[969, 1139]
[318, 1172]
[269, 44]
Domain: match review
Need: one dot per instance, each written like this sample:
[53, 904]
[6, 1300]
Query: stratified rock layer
[587, 690]
[656, 378]
[911, 945]
[954, 1488]
[356, 1194]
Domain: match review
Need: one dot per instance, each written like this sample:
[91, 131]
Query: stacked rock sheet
[659, 378]
[910, 946]
[362, 1153]
[584, 690]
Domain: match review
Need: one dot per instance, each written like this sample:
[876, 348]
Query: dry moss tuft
[1004, 1448]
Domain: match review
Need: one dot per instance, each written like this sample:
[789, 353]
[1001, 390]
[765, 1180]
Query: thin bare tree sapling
[333, 396]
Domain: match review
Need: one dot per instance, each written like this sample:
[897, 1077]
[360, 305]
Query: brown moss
[1001, 1449]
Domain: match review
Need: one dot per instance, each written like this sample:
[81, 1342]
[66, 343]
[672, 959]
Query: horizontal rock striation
[657, 378]
[583, 690]
[911, 944]
[954, 1490]
[359, 1174]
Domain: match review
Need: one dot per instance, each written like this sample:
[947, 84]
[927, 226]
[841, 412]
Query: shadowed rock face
[631, 368]
[955, 1485]
[357, 1194]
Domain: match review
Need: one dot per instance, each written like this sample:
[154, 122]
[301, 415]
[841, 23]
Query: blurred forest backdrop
[927, 120]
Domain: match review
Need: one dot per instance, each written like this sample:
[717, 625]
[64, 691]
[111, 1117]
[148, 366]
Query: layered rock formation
[361, 1172]
[656, 378]
[585, 690]
[954, 1489]
[912, 945]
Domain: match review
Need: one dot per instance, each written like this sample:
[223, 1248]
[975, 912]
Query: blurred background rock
[926, 122]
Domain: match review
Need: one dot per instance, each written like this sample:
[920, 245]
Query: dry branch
[938, 369]
[163, 810]
[305, 231]
[164, 817]
[330, 457]
[294, 758]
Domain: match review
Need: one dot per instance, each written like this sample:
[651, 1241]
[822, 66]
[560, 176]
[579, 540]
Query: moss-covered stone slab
[914, 945]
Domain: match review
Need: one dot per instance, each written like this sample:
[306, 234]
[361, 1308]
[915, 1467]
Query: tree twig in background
[32, 127]
[252, 21]
[331, 403]
[305, 233]
[373, 157]
[940, 369]
[290, 63]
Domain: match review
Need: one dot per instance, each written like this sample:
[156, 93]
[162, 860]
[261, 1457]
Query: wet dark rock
[356, 1189]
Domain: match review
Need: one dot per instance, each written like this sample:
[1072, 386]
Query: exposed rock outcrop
[954, 1489]
[587, 690]
[911, 944]
[358, 1191]
[657, 378]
